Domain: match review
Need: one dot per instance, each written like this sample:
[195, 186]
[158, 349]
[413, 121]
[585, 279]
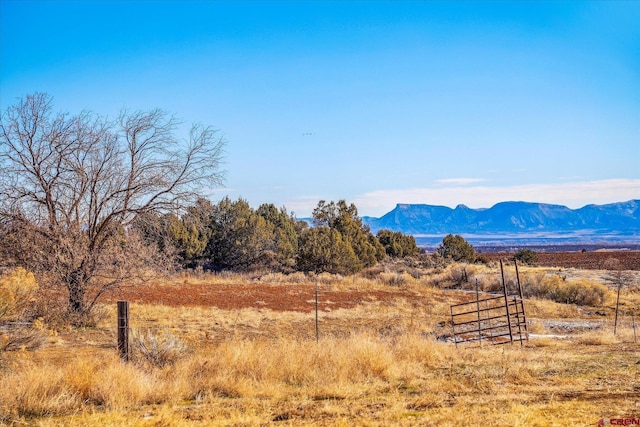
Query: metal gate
[497, 320]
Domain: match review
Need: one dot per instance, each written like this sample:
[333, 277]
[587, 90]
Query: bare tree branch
[74, 184]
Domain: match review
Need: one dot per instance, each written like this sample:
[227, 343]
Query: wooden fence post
[123, 330]
[316, 298]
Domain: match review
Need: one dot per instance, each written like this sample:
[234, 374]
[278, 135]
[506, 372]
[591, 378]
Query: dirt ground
[289, 297]
[300, 297]
[629, 260]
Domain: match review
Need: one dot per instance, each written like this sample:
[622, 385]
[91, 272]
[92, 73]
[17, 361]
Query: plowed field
[629, 260]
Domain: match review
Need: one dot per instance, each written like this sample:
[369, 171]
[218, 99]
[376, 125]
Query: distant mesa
[516, 220]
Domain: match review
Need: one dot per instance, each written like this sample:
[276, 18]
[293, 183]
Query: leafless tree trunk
[71, 186]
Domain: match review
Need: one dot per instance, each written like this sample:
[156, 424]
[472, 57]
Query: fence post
[524, 316]
[316, 298]
[506, 302]
[123, 330]
[478, 307]
[615, 322]
[453, 326]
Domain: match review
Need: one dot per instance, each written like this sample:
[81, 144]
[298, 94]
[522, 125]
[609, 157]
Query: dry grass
[360, 379]
[376, 364]
[22, 339]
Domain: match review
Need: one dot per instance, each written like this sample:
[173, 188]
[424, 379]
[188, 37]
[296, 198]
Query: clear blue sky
[377, 103]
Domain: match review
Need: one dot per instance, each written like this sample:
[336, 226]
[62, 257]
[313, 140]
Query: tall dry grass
[410, 376]
[276, 369]
[32, 389]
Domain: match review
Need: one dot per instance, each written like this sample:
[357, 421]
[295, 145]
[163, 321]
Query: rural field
[239, 350]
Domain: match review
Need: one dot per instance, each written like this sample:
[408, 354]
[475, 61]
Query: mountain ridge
[512, 217]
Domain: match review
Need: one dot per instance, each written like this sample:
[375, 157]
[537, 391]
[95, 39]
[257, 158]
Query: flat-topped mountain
[511, 217]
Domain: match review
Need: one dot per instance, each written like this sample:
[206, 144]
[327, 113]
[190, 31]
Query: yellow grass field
[385, 359]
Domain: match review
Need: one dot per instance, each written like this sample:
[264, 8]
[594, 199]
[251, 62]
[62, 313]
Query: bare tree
[71, 186]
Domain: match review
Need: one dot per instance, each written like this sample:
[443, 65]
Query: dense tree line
[231, 235]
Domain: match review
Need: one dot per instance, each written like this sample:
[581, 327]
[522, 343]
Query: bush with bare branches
[156, 349]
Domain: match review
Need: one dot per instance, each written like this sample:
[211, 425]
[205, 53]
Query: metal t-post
[506, 302]
[524, 315]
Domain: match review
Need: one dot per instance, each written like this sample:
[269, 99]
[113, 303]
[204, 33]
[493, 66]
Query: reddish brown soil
[290, 297]
[300, 297]
[629, 260]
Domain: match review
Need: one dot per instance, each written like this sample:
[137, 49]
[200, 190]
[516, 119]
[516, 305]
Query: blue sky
[376, 103]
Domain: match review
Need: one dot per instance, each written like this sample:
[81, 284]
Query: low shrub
[395, 279]
[373, 272]
[526, 256]
[16, 290]
[463, 275]
[488, 282]
[295, 278]
[156, 350]
[555, 288]
[481, 259]
[328, 278]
